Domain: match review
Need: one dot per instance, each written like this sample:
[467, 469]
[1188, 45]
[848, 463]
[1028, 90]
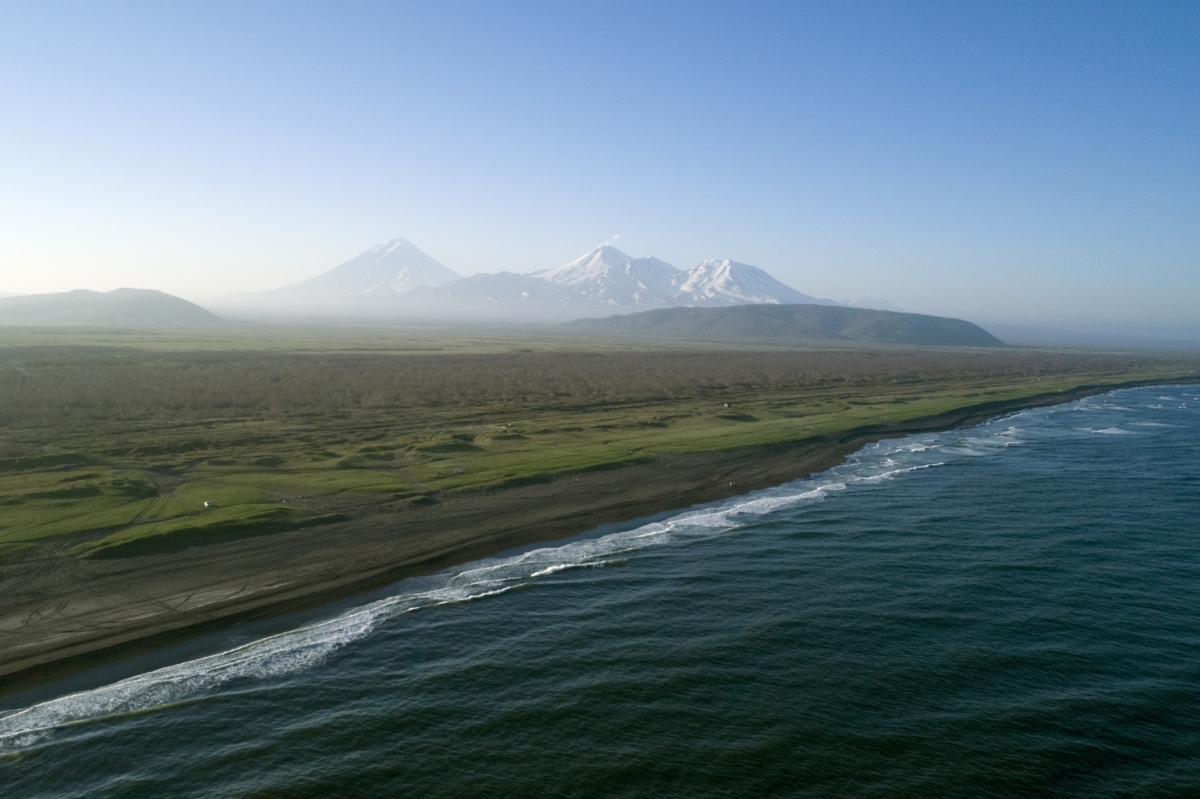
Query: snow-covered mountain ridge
[604, 278]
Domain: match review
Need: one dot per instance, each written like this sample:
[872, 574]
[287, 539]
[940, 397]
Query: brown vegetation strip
[67, 387]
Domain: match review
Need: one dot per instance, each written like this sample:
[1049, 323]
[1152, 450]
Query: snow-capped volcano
[398, 279]
[607, 276]
[731, 283]
[391, 268]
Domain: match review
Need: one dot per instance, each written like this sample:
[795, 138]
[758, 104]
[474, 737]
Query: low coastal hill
[116, 308]
[787, 323]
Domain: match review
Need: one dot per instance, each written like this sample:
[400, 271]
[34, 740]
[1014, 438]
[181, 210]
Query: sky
[1030, 163]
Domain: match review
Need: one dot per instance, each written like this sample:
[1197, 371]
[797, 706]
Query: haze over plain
[1022, 164]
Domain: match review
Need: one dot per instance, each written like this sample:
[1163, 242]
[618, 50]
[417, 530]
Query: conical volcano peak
[396, 244]
[389, 268]
[607, 261]
[610, 254]
[726, 282]
[590, 263]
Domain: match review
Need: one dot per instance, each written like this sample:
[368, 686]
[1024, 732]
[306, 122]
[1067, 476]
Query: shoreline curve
[142, 604]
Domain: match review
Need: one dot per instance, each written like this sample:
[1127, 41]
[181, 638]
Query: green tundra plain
[115, 443]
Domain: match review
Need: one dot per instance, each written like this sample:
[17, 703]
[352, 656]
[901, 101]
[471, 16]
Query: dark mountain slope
[117, 308]
[793, 323]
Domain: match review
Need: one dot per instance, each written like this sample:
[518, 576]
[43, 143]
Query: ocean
[1011, 609]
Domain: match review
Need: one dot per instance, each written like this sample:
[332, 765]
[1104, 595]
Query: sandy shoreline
[60, 614]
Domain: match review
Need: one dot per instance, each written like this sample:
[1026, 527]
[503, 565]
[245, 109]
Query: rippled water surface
[1008, 610]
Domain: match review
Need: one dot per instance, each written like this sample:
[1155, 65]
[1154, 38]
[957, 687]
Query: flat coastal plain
[155, 487]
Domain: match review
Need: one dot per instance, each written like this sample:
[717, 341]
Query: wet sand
[60, 614]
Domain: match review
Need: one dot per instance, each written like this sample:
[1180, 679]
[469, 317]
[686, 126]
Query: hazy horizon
[1017, 164]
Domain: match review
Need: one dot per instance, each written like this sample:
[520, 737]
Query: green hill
[117, 308]
[782, 323]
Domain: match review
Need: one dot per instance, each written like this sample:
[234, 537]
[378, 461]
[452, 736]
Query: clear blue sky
[1032, 162]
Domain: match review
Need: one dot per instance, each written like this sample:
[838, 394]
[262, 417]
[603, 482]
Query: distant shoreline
[134, 608]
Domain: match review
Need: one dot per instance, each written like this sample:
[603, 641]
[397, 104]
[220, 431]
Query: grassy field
[120, 443]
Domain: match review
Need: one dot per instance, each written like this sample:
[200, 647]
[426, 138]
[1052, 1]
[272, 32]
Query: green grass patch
[456, 446]
[221, 524]
[189, 498]
[38, 520]
[40, 462]
[619, 463]
[324, 481]
[527, 480]
[14, 550]
[70, 492]
[124, 437]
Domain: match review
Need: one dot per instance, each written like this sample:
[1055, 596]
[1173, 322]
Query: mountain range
[715, 300]
[397, 276]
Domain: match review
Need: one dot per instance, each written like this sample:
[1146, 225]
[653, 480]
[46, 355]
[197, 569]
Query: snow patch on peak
[599, 263]
[393, 267]
[726, 282]
[608, 276]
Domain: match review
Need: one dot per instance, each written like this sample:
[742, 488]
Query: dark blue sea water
[1007, 610]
